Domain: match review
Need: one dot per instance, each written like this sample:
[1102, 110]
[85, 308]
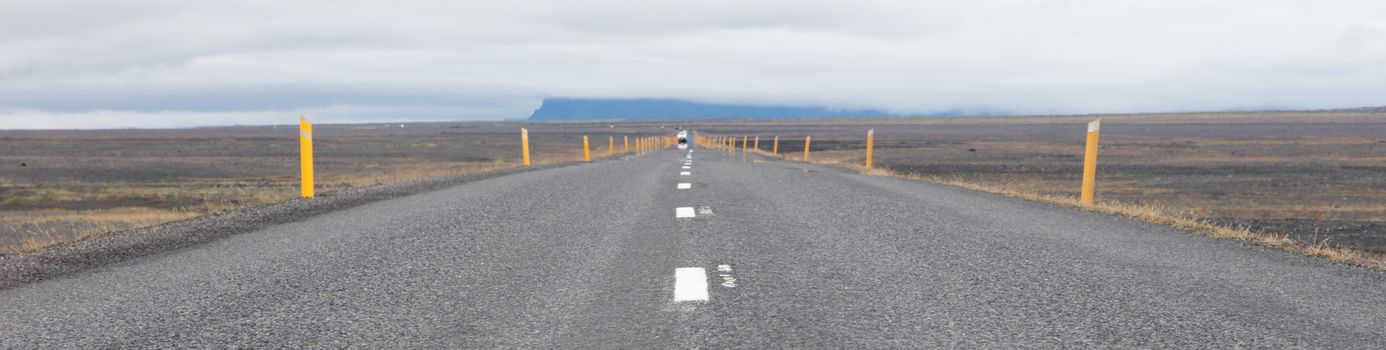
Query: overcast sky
[190, 63]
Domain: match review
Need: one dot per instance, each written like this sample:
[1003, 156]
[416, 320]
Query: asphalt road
[778, 255]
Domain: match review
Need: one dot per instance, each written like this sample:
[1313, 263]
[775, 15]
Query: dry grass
[1291, 173]
[47, 228]
[1155, 215]
[75, 185]
[38, 229]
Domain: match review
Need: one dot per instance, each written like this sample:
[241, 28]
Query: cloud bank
[188, 63]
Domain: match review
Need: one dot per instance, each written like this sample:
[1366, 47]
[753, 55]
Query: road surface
[776, 254]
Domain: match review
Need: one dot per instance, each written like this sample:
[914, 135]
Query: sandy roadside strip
[25, 268]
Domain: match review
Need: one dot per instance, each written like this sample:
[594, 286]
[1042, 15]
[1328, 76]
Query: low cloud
[181, 63]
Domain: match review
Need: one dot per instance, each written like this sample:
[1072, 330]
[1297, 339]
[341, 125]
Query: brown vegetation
[1181, 220]
[58, 186]
[1308, 182]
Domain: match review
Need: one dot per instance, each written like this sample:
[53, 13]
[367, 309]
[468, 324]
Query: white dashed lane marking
[690, 284]
[687, 167]
[684, 212]
[684, 186]
[686, 173]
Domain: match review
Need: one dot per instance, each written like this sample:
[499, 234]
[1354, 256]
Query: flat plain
[63, 185]
[1312, 176]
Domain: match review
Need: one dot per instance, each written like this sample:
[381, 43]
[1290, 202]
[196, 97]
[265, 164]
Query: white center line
[690, 284]
[685, 173]
[686, 167]
[684, 186]
[684, 212]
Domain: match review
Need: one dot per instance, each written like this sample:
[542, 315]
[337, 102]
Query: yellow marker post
[626, 148]
[524, 144]
[305, 151]
[1090, 163]
[756, 145]
[807, 140]
[586, 150]
[743, 147]
[776, 149]
[610, 147]
[870, 139]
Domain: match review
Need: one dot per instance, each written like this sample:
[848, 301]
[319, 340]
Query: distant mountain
[666, 109]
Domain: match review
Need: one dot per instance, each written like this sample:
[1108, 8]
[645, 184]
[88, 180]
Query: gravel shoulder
[26, 268]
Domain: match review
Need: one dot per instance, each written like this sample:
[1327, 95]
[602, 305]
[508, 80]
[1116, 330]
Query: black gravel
[1364, 235]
